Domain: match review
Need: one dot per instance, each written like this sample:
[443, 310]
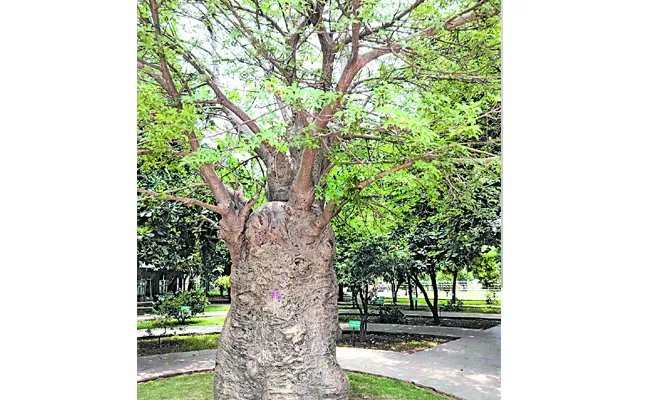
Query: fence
[465, 290]
[446, 286]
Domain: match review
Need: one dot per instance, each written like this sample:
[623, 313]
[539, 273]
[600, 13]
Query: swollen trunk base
[279, 339]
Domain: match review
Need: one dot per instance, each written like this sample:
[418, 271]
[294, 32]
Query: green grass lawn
[217, 308]
[363, 387]
[177, 344]
[190, 322]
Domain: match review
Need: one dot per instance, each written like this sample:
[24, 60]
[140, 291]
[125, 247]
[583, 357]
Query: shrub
[182, 306]
[224, 281]
[452, 306]
[390, 315]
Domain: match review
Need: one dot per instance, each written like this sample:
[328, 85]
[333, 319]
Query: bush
[390, 315]
[182, 306]
[452, 306]
[224, 281]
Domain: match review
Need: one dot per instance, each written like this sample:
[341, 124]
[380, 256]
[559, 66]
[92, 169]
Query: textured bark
[281, 172]
[281, 348]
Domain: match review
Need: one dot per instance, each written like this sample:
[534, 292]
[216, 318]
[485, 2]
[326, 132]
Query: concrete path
[166, 365]
[427, 313]
[205, 314]
[468, 368]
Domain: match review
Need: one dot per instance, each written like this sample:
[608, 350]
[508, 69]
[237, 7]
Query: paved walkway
[468, 368]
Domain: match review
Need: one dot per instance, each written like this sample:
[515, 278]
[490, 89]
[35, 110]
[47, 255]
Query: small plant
[390, 315]
[224, 281]
[182, 306]
[490, 298]
[160, 323]
[451, 307]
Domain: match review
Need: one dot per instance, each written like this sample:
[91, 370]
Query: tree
[470, 225]
[365, 263]
[175, 237]
[422, 236]
[289, 111]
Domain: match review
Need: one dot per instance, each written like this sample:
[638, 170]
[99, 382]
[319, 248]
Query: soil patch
[399, 342]
[473, 323]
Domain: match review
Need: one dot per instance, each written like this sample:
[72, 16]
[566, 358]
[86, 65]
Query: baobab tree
[287, 111]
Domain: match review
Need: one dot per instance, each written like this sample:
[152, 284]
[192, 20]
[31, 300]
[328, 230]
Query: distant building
[152, 283]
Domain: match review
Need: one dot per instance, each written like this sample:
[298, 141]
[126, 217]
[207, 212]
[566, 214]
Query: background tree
[470, 223]
[307, 106]
[177, 237]
[364, 263]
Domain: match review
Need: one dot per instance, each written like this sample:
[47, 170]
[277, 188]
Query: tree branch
[164, 68]
[184, 200]
[396, 18]
[395, 168]
[330, 210]
[355, 64]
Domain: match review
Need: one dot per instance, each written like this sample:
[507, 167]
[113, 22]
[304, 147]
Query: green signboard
[414, 298]
[354, 324]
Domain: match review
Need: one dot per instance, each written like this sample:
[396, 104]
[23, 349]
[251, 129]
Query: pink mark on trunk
[275, 294]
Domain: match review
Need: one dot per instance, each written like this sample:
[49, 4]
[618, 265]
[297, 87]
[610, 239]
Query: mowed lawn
[363, 387]
[217, 308]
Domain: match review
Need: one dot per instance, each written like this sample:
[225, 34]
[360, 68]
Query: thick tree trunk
[279, 339]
